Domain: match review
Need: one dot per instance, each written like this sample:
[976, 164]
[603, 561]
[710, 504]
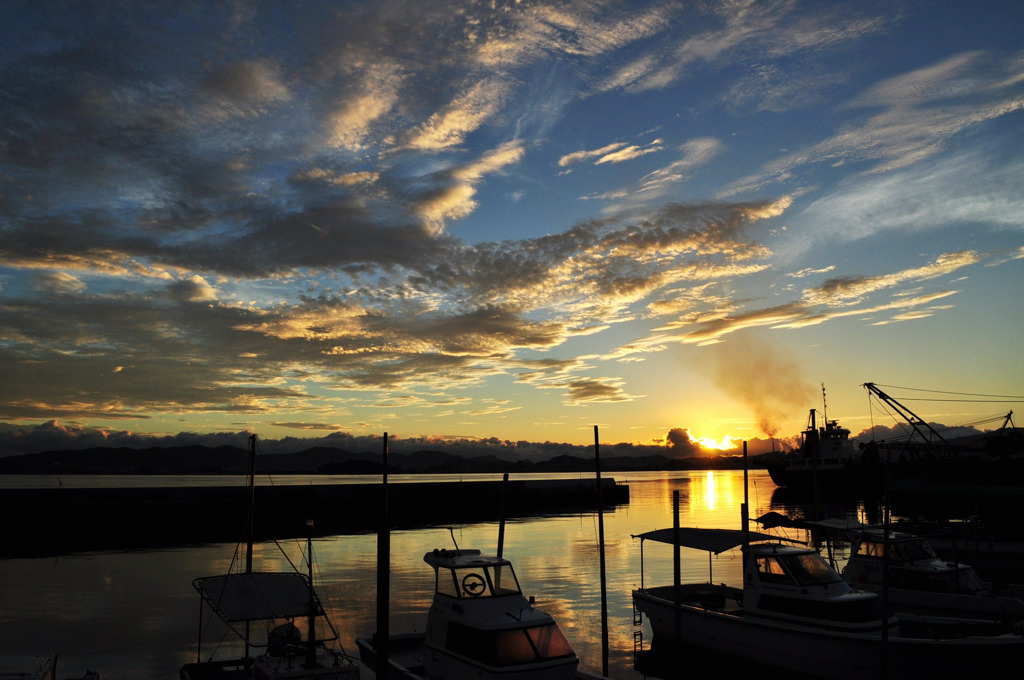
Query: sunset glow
[503, 222]
[725, 444]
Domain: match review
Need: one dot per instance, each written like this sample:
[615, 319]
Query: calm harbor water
[135, 614]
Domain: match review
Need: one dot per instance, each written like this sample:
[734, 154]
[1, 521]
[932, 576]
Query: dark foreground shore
[45, 522]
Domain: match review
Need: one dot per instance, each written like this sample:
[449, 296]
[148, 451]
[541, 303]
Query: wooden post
[382, 638]
[677, 595]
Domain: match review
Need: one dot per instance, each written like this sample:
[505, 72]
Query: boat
[28, 667]
[479, 625]
[825, 460]
[930, 595]
[35, 667]
[922, 588]
[795, 613]
[277, 600]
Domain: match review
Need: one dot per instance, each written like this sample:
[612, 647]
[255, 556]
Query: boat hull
[817, 652]
[407, 654]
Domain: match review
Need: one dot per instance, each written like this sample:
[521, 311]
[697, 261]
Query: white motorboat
[479, 626]
[932, 597]
[794, 612]
[922, 588]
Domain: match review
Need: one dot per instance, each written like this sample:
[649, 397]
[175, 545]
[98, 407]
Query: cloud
[695, 153]
[452, 316]
[846, 289]
[453, 191]
[914, 117]
[248, 83]
[578, 156]
[601, 390]
[703, 317]
[629, 153]
[57, 283]
[963, 189]
[463, 115]
[727, 32]
[375, 94]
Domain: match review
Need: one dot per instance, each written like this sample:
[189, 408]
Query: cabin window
[772, 571]
[446, 583]
[905, 551]
[912, 551]
[477, 582]
[873, 549]
[810, 569]
[508, 647]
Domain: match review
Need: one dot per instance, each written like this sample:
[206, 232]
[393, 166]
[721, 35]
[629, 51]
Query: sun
[713, 444]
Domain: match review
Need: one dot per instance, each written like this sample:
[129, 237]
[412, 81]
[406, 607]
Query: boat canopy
[257, 596]
[713, 540]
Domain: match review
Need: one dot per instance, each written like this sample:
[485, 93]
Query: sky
[507, 220]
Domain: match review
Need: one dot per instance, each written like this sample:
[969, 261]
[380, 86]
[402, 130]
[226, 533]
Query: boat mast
[252, 503]
[251, 528]
[824, 405]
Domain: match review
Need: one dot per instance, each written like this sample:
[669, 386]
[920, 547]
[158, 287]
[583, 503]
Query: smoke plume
[750, 370]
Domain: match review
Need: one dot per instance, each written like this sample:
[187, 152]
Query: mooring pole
[600, 545]
[383, 578]
[677, 609]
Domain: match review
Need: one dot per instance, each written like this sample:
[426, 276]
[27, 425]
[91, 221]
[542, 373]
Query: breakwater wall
[42, 522]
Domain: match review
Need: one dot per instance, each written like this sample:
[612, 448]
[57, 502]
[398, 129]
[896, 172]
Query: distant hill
[320, 460]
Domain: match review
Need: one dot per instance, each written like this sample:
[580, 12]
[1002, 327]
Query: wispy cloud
[917, 114]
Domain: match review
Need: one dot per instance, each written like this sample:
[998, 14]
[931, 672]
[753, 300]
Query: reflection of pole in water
[501, 515]
[600, 545]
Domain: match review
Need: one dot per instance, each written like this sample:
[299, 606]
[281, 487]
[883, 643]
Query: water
[135, 614]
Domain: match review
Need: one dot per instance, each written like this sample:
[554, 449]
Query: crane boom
[915, 421]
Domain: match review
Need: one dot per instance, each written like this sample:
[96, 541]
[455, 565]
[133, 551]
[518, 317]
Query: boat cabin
[795, 583]
[465, 574]
[480, 622]
[913, 565]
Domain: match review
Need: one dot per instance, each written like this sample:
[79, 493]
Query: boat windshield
[810, 569]
[511, 647]
[903, 551]
[802, 570]
[477, 581]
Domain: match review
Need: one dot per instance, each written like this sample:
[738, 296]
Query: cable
[968, 394]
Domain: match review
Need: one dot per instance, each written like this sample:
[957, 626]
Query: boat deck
[712, 596]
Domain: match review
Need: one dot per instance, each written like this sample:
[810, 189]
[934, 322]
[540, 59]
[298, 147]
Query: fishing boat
[277, 600]
[943, 596]
[794, 612]
[480, 625]
[825, 460]
[932, 596]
